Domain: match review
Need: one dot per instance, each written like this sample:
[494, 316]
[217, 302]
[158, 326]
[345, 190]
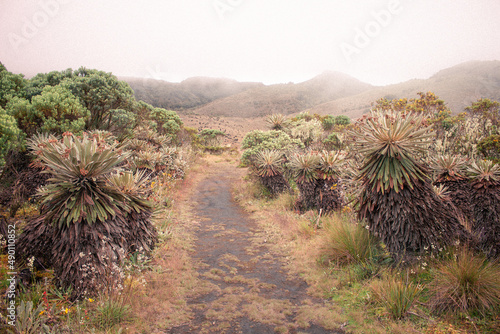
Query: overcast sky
[271, 41]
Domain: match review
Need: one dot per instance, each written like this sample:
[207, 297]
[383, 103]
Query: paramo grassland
[392, 215]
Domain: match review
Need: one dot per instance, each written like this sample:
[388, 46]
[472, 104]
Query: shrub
[211, 137]
[55, 110]
[307, 131]
[490, 148]
[257, 140]
[9, 134]
[342, 120]
[167, 122]
[327, 122]
[466, 283]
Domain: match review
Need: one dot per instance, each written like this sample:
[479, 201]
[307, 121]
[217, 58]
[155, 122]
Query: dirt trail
[247, 289]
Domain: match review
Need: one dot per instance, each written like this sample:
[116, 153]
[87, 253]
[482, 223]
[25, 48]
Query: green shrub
[166, 122]
[56, 110]
[342, 120]
[257, 140]
[490, 148]
[211, 137]
[327, 122]
[9, 134]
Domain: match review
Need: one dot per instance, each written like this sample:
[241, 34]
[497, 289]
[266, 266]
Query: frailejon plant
[141, 234]
[269, 168]
[277, 121]
[450, 173]
[331, 195]
[305, 168]
[398, 201]
[485, 196]
[84, 222]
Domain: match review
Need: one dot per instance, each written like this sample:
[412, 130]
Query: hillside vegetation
[330, 93]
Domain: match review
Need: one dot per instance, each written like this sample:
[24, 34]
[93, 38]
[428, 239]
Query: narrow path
[247, 288]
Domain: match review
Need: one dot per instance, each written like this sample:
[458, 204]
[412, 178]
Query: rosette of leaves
[450, 173]
[83, 222]
[269, 167]
[141, 234]
[485, 196]
[277, 121]
[151, 137]
[305, 169]
[331, 196]
[398, 201]
[151, 161]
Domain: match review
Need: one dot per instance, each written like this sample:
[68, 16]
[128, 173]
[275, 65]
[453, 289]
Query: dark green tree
[100, 93]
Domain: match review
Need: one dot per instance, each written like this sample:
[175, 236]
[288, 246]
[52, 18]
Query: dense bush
[10, 134]
[257, 140]
[166, 122]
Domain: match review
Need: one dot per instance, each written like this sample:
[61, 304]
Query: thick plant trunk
[276, 184]
[330, 197]
[486, 213]
[460, 193]
[410, 221]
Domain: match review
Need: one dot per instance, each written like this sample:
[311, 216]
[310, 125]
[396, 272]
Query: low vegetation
[393, 217]
[413, 226]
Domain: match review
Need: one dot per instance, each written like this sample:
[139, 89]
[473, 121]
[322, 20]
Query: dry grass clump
[397, 295]
[346, 241]
[466, 283]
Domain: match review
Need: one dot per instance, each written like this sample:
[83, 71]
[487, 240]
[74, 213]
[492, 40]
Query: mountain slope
[187, 94]
[458, 86]
[285, 98]
[328, 93]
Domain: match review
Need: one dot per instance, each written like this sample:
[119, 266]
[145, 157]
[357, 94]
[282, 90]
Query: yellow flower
[66, 310]
[91, 300]
[41, 313]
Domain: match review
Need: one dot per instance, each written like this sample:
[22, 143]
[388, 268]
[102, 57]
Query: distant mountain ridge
[190, 93]
[331, 93]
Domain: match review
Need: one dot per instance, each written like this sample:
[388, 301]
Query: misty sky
[272, 41]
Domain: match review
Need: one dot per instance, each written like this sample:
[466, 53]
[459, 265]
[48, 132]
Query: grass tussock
[396, 295]
[466, 283]
[347, 242]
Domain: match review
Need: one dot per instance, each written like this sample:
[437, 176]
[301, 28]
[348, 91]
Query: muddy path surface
[245, 286]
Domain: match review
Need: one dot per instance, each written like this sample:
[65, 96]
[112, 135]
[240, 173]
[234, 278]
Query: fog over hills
[331, 93]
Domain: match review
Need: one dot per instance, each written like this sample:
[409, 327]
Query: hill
[285, 98]
[187, 94]
[458, 86]
[228, 105]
